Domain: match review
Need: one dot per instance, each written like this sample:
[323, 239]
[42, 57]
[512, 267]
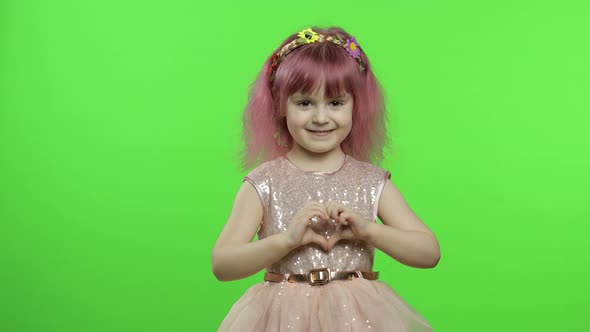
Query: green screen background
[120, 125]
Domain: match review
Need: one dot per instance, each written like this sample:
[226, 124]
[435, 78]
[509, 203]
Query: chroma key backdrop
[120, 126]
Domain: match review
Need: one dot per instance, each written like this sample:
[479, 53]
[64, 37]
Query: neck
[311, 161]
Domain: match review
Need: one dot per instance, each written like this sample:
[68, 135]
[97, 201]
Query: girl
[316, 118]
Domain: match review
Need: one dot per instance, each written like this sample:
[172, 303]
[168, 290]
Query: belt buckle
[319, 277]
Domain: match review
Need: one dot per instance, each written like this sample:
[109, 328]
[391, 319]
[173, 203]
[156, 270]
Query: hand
[299, 233]
[352, 226]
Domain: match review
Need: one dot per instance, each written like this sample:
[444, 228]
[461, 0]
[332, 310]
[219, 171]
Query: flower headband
[308, 36]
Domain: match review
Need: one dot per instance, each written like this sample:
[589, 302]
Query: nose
[320, 116]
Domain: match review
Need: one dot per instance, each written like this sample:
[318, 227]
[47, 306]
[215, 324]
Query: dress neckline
[290, 163]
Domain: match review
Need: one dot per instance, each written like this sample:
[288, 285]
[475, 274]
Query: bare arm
[402, 236]
[234, 255]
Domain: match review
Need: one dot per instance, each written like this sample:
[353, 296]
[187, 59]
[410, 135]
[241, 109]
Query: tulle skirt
[343, 305]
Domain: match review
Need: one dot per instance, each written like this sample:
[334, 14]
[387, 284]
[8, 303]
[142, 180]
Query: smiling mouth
[320, 132]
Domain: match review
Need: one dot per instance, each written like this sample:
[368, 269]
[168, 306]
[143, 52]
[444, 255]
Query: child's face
[319, 124]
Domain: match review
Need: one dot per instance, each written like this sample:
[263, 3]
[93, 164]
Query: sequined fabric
[342, 305]
[284, 189]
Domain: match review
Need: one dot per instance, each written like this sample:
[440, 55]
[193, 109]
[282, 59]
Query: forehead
[317, 83]
[320, 92]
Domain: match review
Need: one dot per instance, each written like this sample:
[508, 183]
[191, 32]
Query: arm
[234, 255]
[402, 236]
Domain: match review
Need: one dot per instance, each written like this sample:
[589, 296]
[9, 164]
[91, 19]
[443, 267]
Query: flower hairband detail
[353, 47]
[308, 36]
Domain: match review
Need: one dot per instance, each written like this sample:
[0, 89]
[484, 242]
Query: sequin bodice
[284, 189]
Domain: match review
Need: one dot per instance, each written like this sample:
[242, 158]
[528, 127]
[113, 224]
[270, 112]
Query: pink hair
[304, 69]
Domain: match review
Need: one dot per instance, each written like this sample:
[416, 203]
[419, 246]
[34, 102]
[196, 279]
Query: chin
[320, 150]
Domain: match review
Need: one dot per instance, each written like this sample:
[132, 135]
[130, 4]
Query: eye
[336, 103]
[303, 103]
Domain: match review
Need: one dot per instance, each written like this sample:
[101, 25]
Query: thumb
[319, 240]
[331, 242]
[323, 242]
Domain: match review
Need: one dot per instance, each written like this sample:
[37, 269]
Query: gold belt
[320, 276]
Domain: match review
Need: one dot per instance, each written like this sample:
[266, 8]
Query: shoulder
[260, 179]
[265, 170]
[372, 178]
[265, 175]
[366, 169]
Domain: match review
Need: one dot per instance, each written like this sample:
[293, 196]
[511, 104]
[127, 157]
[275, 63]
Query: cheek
[346, 124]
[293, 125]
[345, 120]
[289, 128]
[295, 121]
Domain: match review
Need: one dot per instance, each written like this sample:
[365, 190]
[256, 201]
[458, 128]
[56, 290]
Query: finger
[310, 213]
[333, 240]
[330, 205]
[328, 208]
[336, 213]
[341, 209]
[317, 211]
[308, 237]
[342, 219]
[318, 215]
[334, 210]
[330, 213]
[347, 234]
[318, 239]
[347, 218]
[312, 204]
[343, 234]
[322, 241]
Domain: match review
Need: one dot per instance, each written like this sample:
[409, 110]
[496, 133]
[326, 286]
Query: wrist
[372, 228]
[285, 242]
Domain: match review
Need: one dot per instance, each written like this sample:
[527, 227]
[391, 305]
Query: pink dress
[341, 305]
